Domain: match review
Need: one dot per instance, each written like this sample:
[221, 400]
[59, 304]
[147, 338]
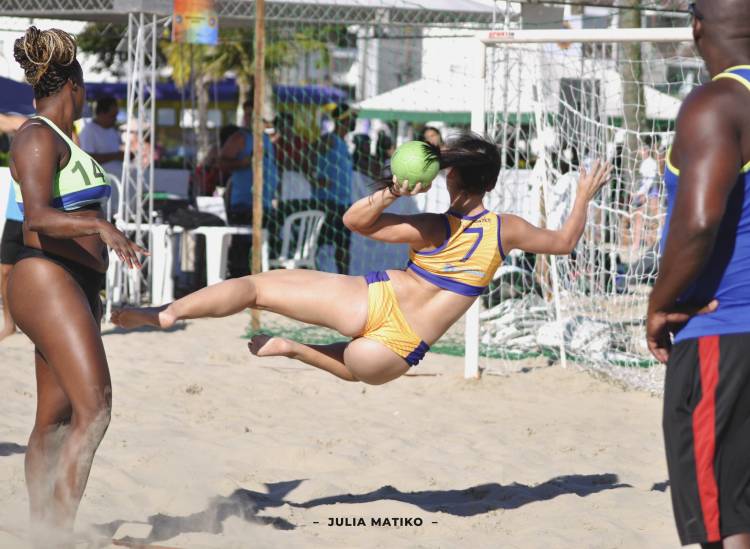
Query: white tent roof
[449, 99]
[421, 101]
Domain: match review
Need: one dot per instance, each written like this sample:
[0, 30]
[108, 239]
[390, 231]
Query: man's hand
[661, 324]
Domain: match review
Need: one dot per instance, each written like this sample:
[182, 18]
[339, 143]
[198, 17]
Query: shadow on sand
[247, 504]
[483, 498]
[115, 330]
[10, 448]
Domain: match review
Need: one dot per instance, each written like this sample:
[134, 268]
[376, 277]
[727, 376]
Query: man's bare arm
[228, 156]
[710, 160]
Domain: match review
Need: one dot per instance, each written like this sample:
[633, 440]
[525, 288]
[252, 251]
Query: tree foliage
[199, 65]
[107, 44]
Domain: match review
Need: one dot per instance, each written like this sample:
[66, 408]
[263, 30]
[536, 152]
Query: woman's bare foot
[265, 345]
[129, 318]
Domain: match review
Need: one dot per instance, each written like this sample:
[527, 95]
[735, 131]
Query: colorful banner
[195, 22]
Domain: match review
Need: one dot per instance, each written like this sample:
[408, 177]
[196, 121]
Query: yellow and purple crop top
[468, 258]
[81, 183]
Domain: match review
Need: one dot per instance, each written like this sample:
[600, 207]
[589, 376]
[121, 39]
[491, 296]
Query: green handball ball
[415, 162]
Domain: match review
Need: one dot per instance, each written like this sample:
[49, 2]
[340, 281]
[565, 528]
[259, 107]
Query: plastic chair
[299, 244]
[114, 200]
[218, 239]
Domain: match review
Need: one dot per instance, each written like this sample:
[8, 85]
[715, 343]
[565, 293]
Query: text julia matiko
[375, 521]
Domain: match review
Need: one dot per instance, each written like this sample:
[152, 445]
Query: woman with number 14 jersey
[53, 290]
[392, 316]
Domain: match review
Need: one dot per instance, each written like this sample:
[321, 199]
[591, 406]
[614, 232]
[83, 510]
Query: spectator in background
[224, 134]
[646, 198]
[431, 135]
[296, 162]
[10, 246]
[12, 240]
[100, 137]
[9, 123]
[648, 170]
[236, 156]
[364, 162]
[294, 159]
[208, 175]
[384, 148]
[335, 178]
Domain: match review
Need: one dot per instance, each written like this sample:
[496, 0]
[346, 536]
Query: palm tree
[203, 65]
[188, 63]
[235, 54]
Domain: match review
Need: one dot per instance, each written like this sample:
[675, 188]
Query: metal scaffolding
[136, 202]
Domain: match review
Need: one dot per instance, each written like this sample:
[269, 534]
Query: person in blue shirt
[10, 246]
[333, 185]
[236, 156]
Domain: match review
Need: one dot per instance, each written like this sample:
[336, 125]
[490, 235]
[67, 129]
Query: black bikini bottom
[91, 282]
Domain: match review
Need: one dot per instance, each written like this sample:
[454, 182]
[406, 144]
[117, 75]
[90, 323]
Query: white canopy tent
[448, 96]
[421, 101]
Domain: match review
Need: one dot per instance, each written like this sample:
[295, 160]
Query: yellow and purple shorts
[386, 323]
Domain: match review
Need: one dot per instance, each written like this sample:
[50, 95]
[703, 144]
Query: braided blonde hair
[48, 59]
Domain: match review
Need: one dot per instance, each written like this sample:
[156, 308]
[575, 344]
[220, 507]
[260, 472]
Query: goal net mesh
[552, 109]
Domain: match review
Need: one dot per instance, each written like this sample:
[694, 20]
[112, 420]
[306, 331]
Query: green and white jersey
[82, 182]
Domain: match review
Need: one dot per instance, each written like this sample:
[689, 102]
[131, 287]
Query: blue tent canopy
[15, 97]
[225, 90]
[309, 95]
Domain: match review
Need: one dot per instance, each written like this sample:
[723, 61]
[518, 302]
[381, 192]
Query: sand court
[211, 447]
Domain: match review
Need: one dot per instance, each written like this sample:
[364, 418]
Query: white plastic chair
[299, 244]
[114, 200]
[218, 239]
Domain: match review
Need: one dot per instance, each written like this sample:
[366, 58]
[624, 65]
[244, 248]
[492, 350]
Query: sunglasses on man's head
[693, 10]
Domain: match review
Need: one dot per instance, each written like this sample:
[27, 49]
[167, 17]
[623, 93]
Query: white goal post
[499, 44]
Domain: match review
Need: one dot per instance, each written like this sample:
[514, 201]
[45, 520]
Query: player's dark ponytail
[476, 159]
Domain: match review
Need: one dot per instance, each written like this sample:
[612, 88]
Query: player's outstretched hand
[402, 189]
[590, 181]
[661, 324]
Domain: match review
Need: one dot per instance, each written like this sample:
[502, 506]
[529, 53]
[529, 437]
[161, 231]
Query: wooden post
[258, 131]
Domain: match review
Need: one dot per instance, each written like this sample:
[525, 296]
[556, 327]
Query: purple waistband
[446, 283]
[376, 276]
[417, 354]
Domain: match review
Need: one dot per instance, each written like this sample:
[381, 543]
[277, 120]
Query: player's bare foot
[130, 318]
[264, 345]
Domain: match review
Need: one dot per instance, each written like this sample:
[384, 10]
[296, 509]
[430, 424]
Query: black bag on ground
[191, 219]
